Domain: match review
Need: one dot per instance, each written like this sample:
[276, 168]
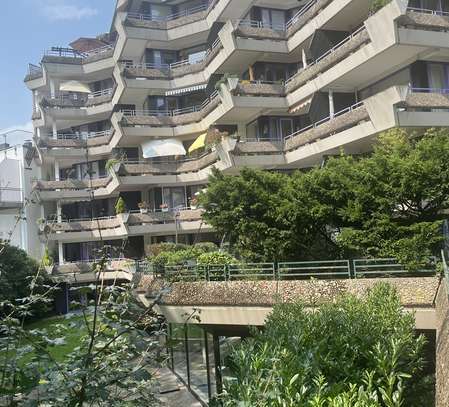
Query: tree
[119, 342]
[390, 204]
[354, 352]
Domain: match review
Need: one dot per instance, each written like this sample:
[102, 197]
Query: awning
[162, 148]
[302, 107]
[200, 142]
[75, 86]
[185, 90]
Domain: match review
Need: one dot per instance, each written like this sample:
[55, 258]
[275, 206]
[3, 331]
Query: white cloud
[61, 10]
[17, 137]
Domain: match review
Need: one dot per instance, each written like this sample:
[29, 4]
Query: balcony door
[175, 197]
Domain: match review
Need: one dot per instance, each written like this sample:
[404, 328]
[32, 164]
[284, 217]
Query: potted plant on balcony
[143, 207]
[164, 207]
[194, 203]
[121, 211]
[47, 261]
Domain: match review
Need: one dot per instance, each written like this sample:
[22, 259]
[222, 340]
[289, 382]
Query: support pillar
[241, 131]
[304, 59]
[331, 104]
[55, 131]
[57, 171]
[52, 89]
[60, 253]
[59, 211]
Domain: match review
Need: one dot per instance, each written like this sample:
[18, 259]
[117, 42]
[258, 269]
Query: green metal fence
[327, 269]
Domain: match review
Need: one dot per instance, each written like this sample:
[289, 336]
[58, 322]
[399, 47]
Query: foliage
[47, 259]
[16, 271]
[171, 254]
[376, 5]
[118, 342]
[387, 204]
[120, 206]
[354, 352]
[216, 258]
[111, 163]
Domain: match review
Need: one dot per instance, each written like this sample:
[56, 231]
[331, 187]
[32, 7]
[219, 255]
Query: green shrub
[376, 5]
[216, 258]
[120, 206]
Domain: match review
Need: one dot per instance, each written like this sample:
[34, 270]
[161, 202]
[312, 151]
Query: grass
[72, 334]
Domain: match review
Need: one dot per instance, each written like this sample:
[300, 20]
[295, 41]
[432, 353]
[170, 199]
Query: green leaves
[349, 353]
[388, 204]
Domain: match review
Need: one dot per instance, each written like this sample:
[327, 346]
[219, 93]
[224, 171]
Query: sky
[27, 29]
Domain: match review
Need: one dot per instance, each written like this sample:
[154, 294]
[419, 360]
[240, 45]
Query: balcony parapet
[425, 19]
[184, 215]
[342, 120]
[34, 72]
[185, 166]
[427, 98]
[71, 184]
[333, 56]
[175, 20]
[174, 70]
[260, 88]
[69, 101]
[58, 55]
[276, 32]
[172, 118]
[93, 139]
[81, 225]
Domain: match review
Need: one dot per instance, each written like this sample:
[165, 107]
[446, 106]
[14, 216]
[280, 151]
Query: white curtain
[162, 148]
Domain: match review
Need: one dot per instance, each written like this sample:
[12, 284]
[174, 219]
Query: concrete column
[331, 104]
[59, 211]
[60, 253]
[55, 131]
[52, 89]
[35, 101]
[241, 130]
[56, 171]
[304, 59]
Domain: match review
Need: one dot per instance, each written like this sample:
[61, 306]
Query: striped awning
[302, 107]
[182, 91]
[200, 142]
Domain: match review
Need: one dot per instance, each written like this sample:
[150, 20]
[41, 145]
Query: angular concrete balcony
[82, 272]
[76, 145]
[128, 224]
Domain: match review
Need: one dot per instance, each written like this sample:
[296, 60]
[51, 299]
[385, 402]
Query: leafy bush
[354, 352]
[120, 206]
[216, 258]
[170, 254]
[376, 5]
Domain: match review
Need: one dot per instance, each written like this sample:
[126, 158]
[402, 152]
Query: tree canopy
[390, 203]
[353, 352]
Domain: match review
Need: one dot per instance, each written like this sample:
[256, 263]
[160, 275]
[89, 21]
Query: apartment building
[18, 215]
[177, 88]
[145, 111]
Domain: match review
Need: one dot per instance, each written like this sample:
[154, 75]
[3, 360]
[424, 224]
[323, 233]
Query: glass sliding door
[175, 197]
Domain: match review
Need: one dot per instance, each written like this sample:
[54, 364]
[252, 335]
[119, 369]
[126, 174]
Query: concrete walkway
[172, 392]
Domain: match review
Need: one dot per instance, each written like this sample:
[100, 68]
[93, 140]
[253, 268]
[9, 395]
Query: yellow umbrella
[198, 143]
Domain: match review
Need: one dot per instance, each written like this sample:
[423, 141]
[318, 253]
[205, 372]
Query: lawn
[72, 333]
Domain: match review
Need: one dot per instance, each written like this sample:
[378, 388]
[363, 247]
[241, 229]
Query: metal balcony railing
[174, 65]
[169, 17]
[171, 113]
[428, 11]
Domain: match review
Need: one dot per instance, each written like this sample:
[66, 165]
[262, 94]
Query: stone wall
[414, 292]
[442, 347]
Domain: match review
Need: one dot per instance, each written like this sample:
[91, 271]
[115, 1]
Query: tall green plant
[354, 352]
[120, 206]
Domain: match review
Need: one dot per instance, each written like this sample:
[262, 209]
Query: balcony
[60, 55]
[128, 224]
[71, 185]
[65, 100]
[425, 19]
[333, 56]
[188, 16]
[171, 118]
[77, 141]
[174, 70]
[262, 30]
[34, 72]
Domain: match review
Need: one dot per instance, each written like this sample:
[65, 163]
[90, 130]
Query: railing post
[352, 268]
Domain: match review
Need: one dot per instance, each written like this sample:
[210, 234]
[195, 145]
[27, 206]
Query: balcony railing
[169, 17]
[82, 135]
[169, 67]
[171, 113]
[72, 53]
[428, 11]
